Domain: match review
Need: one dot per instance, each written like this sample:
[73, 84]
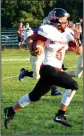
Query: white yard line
[9, 77]
[72, 67]
[25, 59]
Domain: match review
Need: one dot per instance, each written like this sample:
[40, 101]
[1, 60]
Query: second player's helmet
[57, 13]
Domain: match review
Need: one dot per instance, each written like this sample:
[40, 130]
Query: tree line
[33, 11]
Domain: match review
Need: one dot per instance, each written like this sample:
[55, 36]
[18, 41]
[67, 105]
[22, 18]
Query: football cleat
[9, 115]
[64, 67]
[22, 74]
[62, 120]
[56, 92]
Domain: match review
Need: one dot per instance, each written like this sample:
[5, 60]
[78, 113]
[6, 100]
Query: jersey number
[59, 53]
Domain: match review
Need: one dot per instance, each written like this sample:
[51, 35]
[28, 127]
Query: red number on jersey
[59, 53]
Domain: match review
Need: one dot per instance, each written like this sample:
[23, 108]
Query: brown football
[38, 47]
[38, 44]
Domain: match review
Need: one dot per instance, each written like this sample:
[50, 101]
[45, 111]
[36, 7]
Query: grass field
[37, 118]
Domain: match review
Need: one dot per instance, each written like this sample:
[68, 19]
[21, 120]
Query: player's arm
[35, 44]
[77, 45]
[79, 48]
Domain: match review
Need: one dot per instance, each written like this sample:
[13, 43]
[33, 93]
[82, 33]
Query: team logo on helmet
[52, 15]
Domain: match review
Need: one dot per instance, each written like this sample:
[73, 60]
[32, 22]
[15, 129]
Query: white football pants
[36, 63]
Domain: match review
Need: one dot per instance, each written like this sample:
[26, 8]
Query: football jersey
[69, 30]
[56, 45]
[69, 33]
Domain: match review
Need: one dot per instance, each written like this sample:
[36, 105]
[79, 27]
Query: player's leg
[35, 69]
[79, 69]
[35, 63]
[65, 81]
[54, 91]
[24, 73]
[41, 88]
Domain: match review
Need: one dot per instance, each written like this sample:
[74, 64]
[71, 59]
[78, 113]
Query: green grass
[37, 118]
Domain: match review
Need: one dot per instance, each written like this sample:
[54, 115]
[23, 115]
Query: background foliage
[15, 11]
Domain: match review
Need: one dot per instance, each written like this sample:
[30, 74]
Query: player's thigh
[64, 80]
[58, 78]
[41, 88]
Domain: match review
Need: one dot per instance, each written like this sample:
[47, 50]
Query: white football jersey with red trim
[69, 33]
[56, 45]
[54, 52]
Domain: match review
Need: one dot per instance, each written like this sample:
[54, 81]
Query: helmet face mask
[58, 17]
[63, 20]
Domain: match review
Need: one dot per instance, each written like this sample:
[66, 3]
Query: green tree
[15, 11]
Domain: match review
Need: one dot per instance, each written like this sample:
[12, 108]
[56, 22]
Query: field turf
[37, 118]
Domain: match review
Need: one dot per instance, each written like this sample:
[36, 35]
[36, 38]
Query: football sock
[24, 100]
[67, 97]
[27, 73]
[60, 112]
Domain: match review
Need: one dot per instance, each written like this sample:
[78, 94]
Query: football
[38, 47]
[38, 44]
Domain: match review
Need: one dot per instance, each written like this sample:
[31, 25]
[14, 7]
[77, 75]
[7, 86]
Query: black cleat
[9, 115]
[64, 69]
[55, 93]
[62, 120]
[22, 74]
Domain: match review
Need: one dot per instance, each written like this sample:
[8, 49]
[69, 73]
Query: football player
[36, 62]
[50, 72]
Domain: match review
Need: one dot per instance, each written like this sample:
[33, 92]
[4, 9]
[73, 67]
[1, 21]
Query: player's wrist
[78, 43]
